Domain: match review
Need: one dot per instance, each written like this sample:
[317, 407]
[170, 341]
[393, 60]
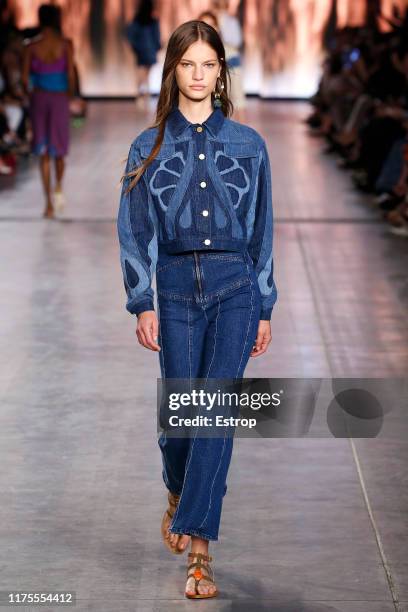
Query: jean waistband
[164, 256]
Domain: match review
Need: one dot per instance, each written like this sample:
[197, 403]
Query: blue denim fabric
[234, 61]
[208, 188]
[209, 306]
[145, 40]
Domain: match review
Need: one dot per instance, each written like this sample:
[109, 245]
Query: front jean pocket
[223, 273]
[176, 278]
[170, 261]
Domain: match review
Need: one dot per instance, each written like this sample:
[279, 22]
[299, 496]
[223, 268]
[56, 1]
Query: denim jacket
[209, 187]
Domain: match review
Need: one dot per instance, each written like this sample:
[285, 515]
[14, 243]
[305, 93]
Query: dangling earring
[217, 95]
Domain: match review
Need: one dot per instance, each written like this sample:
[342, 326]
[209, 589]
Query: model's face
[197, 71]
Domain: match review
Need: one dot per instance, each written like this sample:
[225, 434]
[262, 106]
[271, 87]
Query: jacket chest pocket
[166, 151]
[240, 150]
[236, 166]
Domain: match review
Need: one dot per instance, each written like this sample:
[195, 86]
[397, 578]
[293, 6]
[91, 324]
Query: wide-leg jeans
[209, 305]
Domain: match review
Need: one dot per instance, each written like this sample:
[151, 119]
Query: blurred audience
[13, 109]
[361, 109]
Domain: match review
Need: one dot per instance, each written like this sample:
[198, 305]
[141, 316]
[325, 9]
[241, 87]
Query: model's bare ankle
[199, 545]
[49, 209]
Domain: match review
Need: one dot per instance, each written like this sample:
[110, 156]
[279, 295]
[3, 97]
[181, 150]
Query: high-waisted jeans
[209, 306]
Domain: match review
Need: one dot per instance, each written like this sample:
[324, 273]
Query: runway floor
[308, 525]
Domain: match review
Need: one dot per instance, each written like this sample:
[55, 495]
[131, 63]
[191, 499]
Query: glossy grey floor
[309, 525]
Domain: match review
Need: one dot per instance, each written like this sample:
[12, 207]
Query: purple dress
[49, 105]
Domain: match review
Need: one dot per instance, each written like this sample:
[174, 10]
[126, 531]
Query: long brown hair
[180, 40]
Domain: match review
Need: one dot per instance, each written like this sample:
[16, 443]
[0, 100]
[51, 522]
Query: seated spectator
[361, 108]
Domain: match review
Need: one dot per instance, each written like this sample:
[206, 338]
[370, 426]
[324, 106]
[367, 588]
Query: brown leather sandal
[168, 515]
[198, 574]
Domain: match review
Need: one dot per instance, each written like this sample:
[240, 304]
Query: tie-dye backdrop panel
[283, 39]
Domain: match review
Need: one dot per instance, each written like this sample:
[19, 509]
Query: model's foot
[176, 542]
[49, 212]
[59, 200]
[179, 541]
[204, 587]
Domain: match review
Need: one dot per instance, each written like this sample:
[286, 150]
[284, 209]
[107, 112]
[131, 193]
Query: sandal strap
[200, 566]
[198, 579]
[206, 570]
[200, 556]
[173, 502]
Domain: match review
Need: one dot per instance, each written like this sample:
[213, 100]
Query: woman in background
[48, 64]
[143, 34]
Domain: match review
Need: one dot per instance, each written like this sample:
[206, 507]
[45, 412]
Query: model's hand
[147, 330]
[263, 338]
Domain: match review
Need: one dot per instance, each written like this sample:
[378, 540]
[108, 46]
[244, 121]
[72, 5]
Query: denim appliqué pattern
[237, 171]
[170, 173]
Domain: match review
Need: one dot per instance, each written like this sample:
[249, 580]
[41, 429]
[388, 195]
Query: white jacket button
[207, 241]
[199, 129]
[201, 156]
[204, 213]
[203, 184]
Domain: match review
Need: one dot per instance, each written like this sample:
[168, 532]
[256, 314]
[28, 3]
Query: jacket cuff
[266, 314]
[140, 307]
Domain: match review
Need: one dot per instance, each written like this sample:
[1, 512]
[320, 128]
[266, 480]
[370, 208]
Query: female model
[196, 209]
[48, 62]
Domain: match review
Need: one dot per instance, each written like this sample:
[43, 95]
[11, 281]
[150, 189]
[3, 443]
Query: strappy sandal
[168, 515]
[198, 574]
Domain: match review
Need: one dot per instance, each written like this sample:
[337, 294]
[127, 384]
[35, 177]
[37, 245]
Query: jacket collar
[178, 123]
